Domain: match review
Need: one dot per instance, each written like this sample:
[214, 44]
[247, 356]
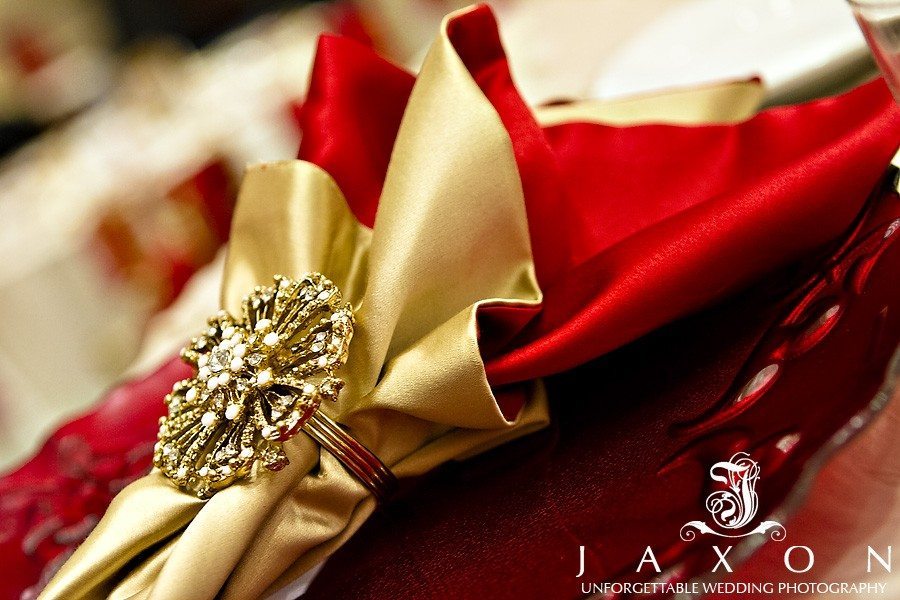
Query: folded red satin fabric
[624, 465]
[632, 229]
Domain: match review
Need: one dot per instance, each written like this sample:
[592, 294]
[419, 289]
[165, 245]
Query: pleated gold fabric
[450, 235]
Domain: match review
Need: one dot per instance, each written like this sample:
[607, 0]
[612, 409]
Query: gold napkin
[450, 235]
[720, 103]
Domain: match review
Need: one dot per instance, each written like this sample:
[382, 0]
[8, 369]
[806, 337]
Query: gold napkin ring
[259, 380]
[373, 473]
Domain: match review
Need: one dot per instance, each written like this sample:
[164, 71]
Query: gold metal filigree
[258, 380]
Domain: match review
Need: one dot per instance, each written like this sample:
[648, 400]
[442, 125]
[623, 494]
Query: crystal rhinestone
[255, 359]
[220, 358]
[331, 387]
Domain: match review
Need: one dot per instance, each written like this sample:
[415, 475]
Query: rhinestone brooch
[259, 379]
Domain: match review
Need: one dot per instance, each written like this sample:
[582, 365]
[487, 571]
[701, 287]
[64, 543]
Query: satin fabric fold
[631, 227]
[608, 275]
[133, 409]
[626, 461]
[730, 102]
[450, 236]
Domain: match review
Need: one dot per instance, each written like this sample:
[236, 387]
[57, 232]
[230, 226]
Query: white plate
[615, 48]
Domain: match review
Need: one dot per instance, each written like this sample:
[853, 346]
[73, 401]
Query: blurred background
[125, 126]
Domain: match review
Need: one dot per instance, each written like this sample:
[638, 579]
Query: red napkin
[633, 229]
[630, 227]
[625, 464]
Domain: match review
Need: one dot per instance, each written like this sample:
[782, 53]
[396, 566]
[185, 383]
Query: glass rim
[800, 491]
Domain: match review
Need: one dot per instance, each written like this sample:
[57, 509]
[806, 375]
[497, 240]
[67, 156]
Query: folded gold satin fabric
[416, 393]
[450, 235]
[729, 102]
